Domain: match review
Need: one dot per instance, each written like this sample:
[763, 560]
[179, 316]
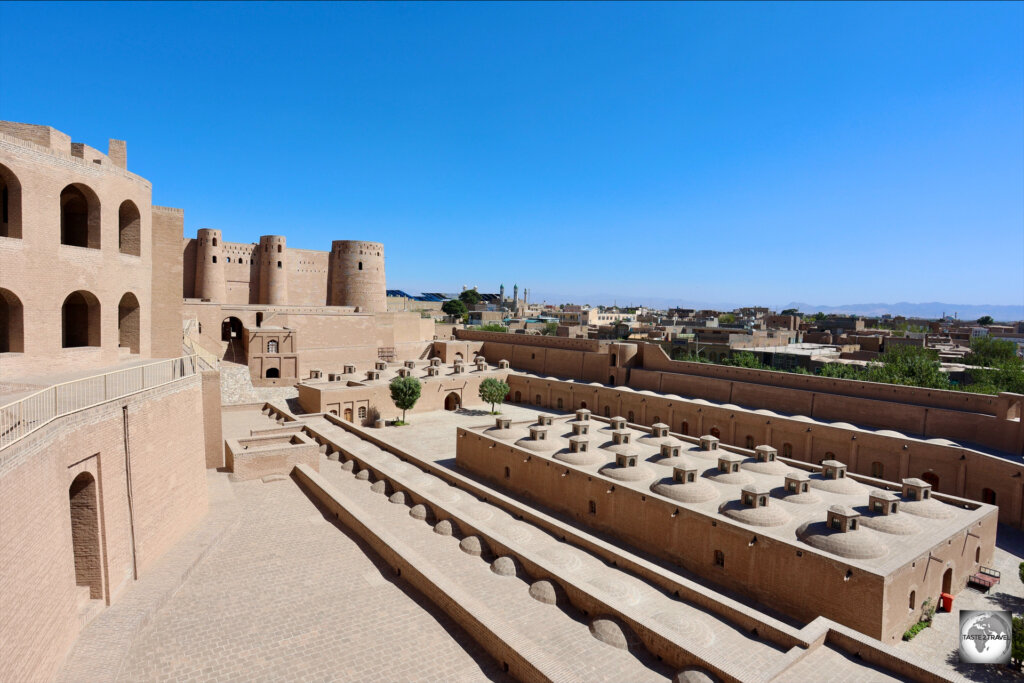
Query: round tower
[209, 266]
[273, 260]
[357, 275]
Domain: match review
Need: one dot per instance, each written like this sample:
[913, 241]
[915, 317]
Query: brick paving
[288, 596]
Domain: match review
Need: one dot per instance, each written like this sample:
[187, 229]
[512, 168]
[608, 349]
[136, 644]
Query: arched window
[79, 217]
[128, 323]
[272, 346]
[607, 411]
[273, 373]
[362, 412]
[583, 404]
[129, 229]
[611, 380]
[80, 320]
[912, 603]
[12, 323]
[536, 400]
[684, 428]
[877, 470]
[977, 555]
[10, 204]
[829, 455]
[932, 479]
[716, 432]
[787, 450]
[519, 397]
[559, 404]
[279, 249]
[214, 241]
[988, 496]
[750, 441]
[613, 358]
[278, 264]
[630, 417]
[360, 265]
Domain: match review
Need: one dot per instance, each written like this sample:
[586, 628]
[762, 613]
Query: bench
[985, 576]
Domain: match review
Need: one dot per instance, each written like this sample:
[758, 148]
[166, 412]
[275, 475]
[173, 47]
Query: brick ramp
[526, 660]
[102, 647]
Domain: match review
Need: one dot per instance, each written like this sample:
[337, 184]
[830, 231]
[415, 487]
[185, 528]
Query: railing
[22, 417]
[207, 360]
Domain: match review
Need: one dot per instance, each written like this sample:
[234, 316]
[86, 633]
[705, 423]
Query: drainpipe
[128, 484]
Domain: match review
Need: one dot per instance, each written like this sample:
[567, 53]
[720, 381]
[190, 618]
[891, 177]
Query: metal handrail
[20, 418]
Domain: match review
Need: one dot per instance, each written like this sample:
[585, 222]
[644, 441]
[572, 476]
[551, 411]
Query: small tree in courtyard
[470, 297]
[405, 391]
[493, 391]
[455, 308]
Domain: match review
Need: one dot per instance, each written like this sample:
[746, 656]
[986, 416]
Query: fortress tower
[209, 265]
[357, 275]
[272, 257]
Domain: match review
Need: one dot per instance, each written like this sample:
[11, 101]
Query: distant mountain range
[932, 309]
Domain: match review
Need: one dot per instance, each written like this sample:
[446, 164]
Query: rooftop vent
[709, 443]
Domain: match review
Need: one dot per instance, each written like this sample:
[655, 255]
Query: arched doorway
[128, 322]
[715, 432]
[273, 373]
[10, 204]
[12, 323]
[129, 229]
[988, 496]
[80, 320]
[348, 414]
[230, 329]
[947, 581]
[452, 401]
[932, 479]
[79, 217]
[85, 535]
[519, 397]
[458, 354]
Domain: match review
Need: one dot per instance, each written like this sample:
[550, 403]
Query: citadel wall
[44, 595]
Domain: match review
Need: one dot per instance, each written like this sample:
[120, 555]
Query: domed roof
[899, 524]
[843, 487]
[860, 544]
[698, 491]
[890, 432]
[802, 418]
[929, 508]
[731, 406]
[588, 457]
[943, 442]
[551, 443]
[843, 425]
[763, 515]
[702, 402]
[640, 472]
[765, 411]
[737, 478]
[765, 467]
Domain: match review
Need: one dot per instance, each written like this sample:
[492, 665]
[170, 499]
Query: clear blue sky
[748, 153]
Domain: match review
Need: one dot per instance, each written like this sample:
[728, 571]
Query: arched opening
[452, 401]
[611, 380]
[214, 243]
[10, 204]
[348, 414]
[787, 450]
[360, 265]
[129, 229]
[128, 324]
[684, 428]
[458, 354]
[877, 470]
[12, 323]
[519, 397]
[716, 432]
[977, 555]
[80, 320]
[988, 496]
[932, 479]
[273, 373]
[230, 329]
[79, 217]
[750, 441]
[85, 534]
[361, 412]
[272, 346]
[912, 602]
[630, 417]
[583, 405]
[559, 404]
[536, 400]
[613, 359]
[607, 411]
[947, 581]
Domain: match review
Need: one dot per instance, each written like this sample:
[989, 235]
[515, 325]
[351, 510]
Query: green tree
[1017, 648]
[470, 297]
[990, 351]
[790, 311]
[551, 329]
[727, 319]
[405, 391]
[745, 359]
[492, 327]
[985, 320]
[455, 308]
[493, 391]
[910, 365]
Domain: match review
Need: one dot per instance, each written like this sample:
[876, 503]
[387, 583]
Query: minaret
[501, 296]
[515, 298]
